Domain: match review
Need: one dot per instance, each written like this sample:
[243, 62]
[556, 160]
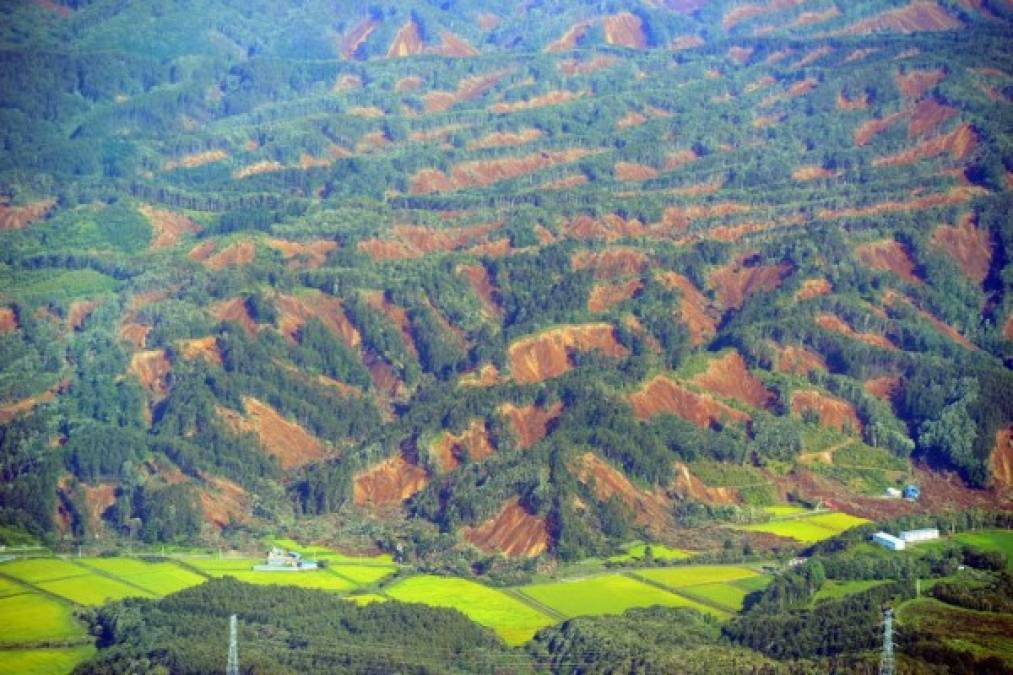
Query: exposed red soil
[778, 56]
[568, 41]
[407, 42]
[17, 217]
[882, 387]
[834, 413]
[836, 325]
[472, 444]
[689, 486]
[388, 483]
[134, 333]
[372, 141]
[152, 368]
[662, 395]
[813, 288]
[959, 144]
[728, 377]
[408, 84]
[679, 158]
[97, 500]
[385, 381]
[740, 13]
[812, 18]
[356, 37]
[513, 532]
[557, 97]
[606, 295]
[680, 217]
[683, 42]
[201, 348]
[631, 119]
[812, 172]
[798, 360]
[486, 172]
[236, 255]
[223, 502]
[633, 172]
[78, 313]
[740, 54]
[625, 30]
[547, 355]
[468, 89]
[888, 256]
[919, 16]
[761, 83]
[478, 279]
[812, 56]
[257, 168]
[650, 509]
[870, 128]
[168, 227]
[202, 251]
[487, 21]
[891, 297]
[531, 423]
[8, 320]
[235, 310]
[486, 376]
[500, 139]
[280, 437]
[397, 315]
[311, 254]
[455, 46]
[914, 83]
[611, 263]
[346, 82]
[860, 102]
[968, 245]
[694, 307]
[195, 159]
[957, 195]
[369, 112]
[737, 281]
[1007, 328]
[437, 134]
[294, 312]
[414, 241]
[495, 248]
[565, 182]
[927, 116]
[1002, 458]
[9, 411]
[571, 67]
[764, 121]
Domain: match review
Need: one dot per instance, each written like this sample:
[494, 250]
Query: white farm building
[888, 541]
[924, 534]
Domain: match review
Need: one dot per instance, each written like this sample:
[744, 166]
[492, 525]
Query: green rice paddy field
[808, 529]
[990, 540]
[43, 661]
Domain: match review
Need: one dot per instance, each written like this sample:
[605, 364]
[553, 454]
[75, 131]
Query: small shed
[893, 493]
[912, 492]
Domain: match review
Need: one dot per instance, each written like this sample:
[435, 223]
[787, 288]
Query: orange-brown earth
[798, 360]
[694, 307]
[168, 227]
[918, 16]
[408, 83]
[812, 56]
[78, 313]
[883, 387]
[468, 89]
[309, 254]
[513, 532]
[279, 436]
[1007, 328]
[557, 97]
[812, 172]
[480, 173]
[683, 42]
[531, 423]
[573, 67]
[631, 119]
[968, 245]
[97, 500]
[888, 256]
[740, 54]
[679, 158]
[833, 412]
[859, 54]
[625, 30]
[927, 116]
[568, 40]
[17, 217]
[870, 128]
[8, 320]
[345, 82]
[455, 46]
[891, 297]
[740, 13]
[679, 218]
[1002, 458]
[633, 172]
[835, 324]
[356, 37]
[236, 255]
[958, 144]
[235, 310]
[859, 102]
[472, 444]
[257, 168]
[379, 301]
[201, 348]
[728, 377]
[764, 121]
[414, 241]
[801, 87]
[814, 288]
[501, 139]
[608, 294]
[294, 312]
[547, 355]
[486, 376]
[812, 18]
[134, 333]
[195, 159]
[611, 263]
[662, 395]
[487, 21]
[914, 83]
[223, 502]
[367, 111]
[689, 486]
[762, 83]
[650, 509]
[478, 279]
[407, 42]
[957, 195]
[388, 483]
[152, 368]
[565, 182]
[9, 411]
[737, 281]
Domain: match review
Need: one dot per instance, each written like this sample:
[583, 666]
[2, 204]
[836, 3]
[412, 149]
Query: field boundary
[112, 577]
[682, 594]
[533, 604]
[42, 591]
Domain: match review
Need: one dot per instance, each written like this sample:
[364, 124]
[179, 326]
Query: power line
[233, 666]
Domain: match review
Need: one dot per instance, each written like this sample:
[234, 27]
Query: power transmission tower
[233, 666]
[887, 666]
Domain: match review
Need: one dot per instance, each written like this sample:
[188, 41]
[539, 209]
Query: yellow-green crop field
[321, 553]
[41, 569]
[696, 575]
[363, 574]
[363, 599]
[605, 594]
[781, 511]
[808, 529]
[658, 551]
[158, 578]
[33, 617]
[729, 596]
[513, 620]
[43, 661]
[91, 589]
[990, 540]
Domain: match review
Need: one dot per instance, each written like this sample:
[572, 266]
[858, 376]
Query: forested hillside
[460, 280]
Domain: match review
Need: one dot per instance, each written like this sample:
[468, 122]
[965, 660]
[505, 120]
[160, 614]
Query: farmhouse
[280, 560]
[915, 536]
[889, 541]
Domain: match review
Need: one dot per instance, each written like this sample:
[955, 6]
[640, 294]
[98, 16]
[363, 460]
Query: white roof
[886, 536]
